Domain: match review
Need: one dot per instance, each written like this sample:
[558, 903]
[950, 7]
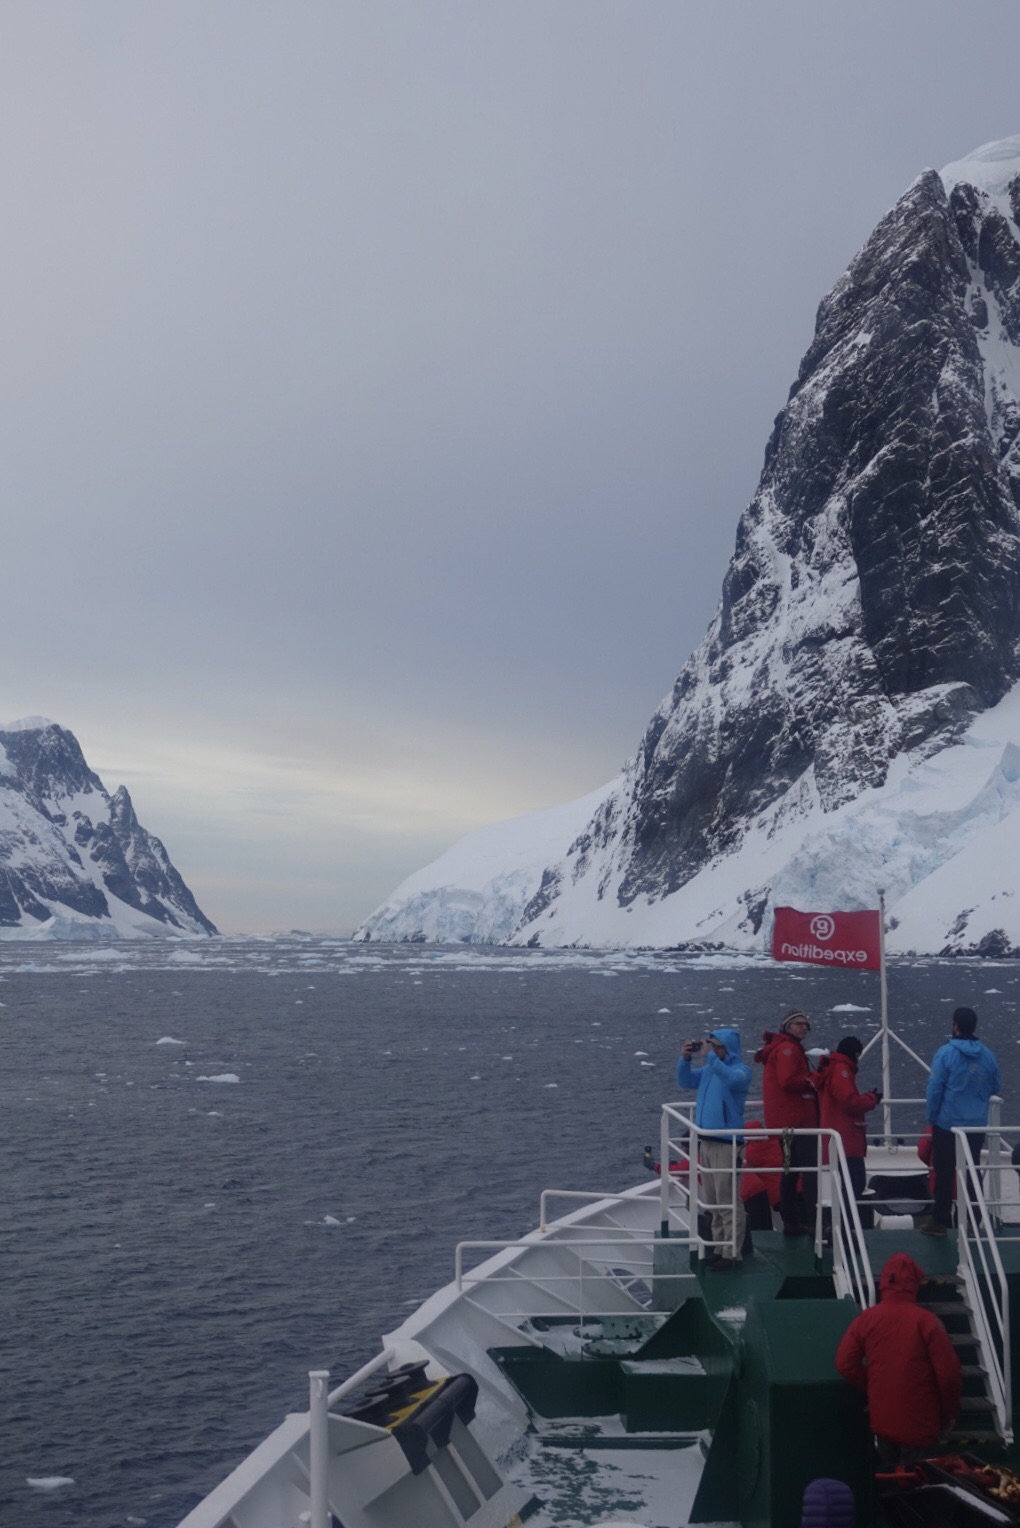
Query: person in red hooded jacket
[792, 1103]
[842, 1107]
[900, 1355]
[760, 1190]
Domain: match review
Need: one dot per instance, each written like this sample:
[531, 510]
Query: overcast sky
[382, 383]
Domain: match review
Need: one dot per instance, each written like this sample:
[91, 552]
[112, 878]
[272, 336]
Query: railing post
[995, 1156]
[318, 1446]
[693, 1229]
[734, 1197]
[963, 1190]
[664, 1175]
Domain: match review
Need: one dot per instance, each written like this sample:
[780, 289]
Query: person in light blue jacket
[721, 1082]
[964, 1075]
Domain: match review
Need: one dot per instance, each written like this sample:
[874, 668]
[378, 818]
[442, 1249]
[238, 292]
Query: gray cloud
[381, 384]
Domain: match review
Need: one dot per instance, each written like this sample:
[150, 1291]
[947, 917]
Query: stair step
[946, 1307]
[975, 1403]
[962, 1339]
[973, 1371]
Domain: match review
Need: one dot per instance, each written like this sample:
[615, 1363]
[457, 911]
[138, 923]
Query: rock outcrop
[75, 861]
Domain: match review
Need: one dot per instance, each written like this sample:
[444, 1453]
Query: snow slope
[476, 891]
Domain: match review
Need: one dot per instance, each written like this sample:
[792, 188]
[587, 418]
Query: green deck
[767, 1392]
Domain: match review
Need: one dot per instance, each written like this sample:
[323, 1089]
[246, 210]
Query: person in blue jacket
[964, 1075]
[721, 1081]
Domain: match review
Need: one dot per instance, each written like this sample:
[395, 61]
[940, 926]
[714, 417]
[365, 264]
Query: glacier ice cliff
[74, 861]
[851, 718]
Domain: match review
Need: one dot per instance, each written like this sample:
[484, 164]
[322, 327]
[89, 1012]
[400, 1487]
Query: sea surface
[177, 1249]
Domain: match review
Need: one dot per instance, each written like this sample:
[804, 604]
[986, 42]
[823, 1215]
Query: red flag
[847, 941]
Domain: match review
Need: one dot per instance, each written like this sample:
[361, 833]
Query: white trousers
[720, 1193]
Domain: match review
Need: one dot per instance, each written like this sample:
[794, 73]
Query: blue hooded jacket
[721, 1085]
[964, 1075]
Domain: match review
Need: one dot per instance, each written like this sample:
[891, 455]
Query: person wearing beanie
[900, 1355]
[964, 1075]
[842, 1106]
[791, 1103]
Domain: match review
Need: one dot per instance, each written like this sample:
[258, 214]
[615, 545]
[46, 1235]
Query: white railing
[566, 1290]
[984, 1280]
[851, 1265]
[585, 1196]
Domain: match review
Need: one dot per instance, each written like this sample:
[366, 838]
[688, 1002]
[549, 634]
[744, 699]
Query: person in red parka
[792, 1103]
[758, 1190]
[842, 1107]
[900, 1355]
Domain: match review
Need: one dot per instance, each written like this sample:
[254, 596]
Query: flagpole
[886, 1082]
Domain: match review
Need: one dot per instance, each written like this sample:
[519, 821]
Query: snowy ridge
[831, 733]
[74, 861]
[476, 892]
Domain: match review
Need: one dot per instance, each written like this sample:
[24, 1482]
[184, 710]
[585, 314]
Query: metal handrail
[642, 1270]
[984, 1279]
[851, 1264]
[584, 1195]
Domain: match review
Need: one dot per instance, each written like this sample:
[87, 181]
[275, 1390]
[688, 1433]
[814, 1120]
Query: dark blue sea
[177, 1250]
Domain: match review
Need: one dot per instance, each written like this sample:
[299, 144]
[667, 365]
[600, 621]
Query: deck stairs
[946, 1298]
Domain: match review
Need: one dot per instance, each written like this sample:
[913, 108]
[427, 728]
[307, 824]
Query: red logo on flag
[850, 941]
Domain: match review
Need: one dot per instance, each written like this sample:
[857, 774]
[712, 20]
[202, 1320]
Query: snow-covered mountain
[852, 718]
[74, 861]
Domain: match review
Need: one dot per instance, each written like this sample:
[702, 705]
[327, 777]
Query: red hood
[901, 1278]
[771, 1041]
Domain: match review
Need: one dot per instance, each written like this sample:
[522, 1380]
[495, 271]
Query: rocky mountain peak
[76, 860]
[871, 610]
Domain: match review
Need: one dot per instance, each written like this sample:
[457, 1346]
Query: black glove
[878, 1095]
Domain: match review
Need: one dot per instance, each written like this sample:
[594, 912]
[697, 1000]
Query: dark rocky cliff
[872, 605]
[67, 847]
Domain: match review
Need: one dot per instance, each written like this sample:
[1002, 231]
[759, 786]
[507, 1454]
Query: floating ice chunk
[506, 1058]
[663, 1010]
[214, 1114]
[221, 1077]
[988, 991]
[477, 1077]
[849, 1008]
[169, 1040]
[330, 1220]
[552, 1084]
[184, 958]
[641, 1053]
[49, 1482]
[646, 1063]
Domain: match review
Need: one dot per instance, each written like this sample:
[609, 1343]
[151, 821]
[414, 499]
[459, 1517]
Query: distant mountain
[74, 861]
[852, 718]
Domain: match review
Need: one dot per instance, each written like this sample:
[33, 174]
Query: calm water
[176, 1251]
